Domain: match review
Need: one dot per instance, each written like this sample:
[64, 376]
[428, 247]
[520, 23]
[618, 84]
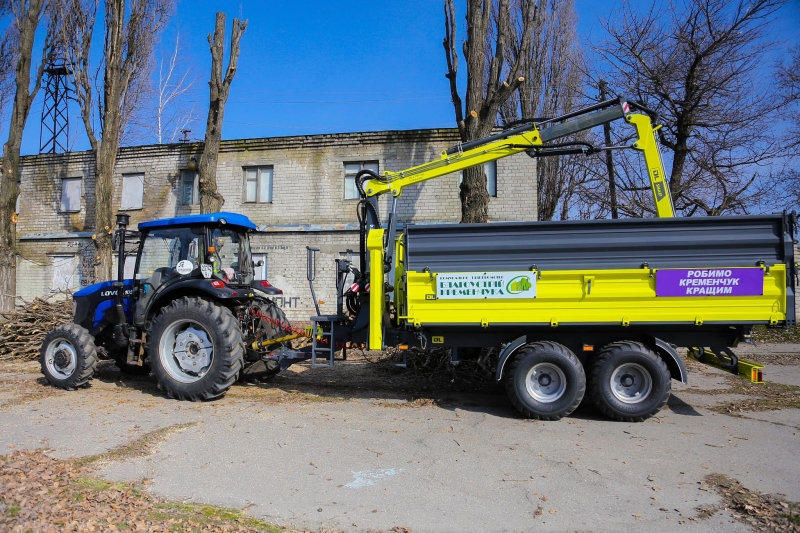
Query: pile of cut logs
[23, 329]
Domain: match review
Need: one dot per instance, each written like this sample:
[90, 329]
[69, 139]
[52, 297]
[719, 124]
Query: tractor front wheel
[68, 356]
[195, 349]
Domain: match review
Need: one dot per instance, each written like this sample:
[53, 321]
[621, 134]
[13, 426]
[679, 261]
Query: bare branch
[698, 63]
[489, 30]
[210, 198]
[110, 92]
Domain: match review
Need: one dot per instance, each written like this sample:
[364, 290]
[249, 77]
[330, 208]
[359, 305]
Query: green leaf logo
[518, 285]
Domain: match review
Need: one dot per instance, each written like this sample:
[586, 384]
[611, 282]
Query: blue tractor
[193, 315]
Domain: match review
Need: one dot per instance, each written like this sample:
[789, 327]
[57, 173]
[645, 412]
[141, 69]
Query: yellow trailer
[571, 306]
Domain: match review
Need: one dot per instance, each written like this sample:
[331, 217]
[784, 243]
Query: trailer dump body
[646, 272]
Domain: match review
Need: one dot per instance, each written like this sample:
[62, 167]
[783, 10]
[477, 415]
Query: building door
[63, 273]
[260, 272]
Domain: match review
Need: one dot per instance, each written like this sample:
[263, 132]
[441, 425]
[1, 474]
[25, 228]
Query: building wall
[307, 208]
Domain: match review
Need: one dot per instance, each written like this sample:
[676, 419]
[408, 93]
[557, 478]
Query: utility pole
[612, 182]
[54, 132]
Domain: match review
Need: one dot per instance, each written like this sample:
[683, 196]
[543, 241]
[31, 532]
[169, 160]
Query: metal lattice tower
[54, 130]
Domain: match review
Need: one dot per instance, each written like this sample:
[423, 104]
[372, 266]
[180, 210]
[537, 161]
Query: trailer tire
[211, 337]
[545, 381]
[628, 382]
[68, 356]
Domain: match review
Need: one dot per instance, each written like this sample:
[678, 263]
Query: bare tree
[109, 93]
[490, 80]
[788, 77]
[7, 58]
[210, 198]
[163, 113]
[25, 19]
[697, 63]
[552, 86]
[789, 81]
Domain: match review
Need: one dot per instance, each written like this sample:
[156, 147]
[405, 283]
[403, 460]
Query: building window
[63, 272]
[132, 191]
[71, 195]
[490, 169]
[260, 272]
[350, 171]
[190, 187]
[258, 184]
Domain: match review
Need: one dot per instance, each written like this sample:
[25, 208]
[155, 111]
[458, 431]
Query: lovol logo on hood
[519, 284]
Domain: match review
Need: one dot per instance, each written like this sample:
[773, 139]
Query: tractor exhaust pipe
[120, 336]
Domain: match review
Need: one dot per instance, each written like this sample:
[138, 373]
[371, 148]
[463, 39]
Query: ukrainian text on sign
[710, 282]
[480, 285]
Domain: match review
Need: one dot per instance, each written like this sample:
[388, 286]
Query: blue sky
[325, 67]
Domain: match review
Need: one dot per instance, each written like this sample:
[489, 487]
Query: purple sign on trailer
[710, 282]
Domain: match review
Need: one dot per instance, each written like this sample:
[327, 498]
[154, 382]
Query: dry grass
[40, 493]
[762, 512]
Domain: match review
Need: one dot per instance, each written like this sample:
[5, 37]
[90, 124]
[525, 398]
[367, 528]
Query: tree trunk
[681, 153]
[612, 176]
[210, 199]
[9, 166]
[106, 159]
[8, 227]
[486, 89]
[474, 196]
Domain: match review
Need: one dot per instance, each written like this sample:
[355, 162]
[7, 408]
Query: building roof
[230, 219]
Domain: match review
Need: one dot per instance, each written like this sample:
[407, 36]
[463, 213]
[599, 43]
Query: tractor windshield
[229, 255]
[169, 252]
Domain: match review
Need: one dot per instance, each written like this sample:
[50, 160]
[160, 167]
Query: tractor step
[323, 328]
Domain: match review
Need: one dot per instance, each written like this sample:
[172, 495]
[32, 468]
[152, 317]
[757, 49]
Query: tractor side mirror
[115, 240]
[259, 263]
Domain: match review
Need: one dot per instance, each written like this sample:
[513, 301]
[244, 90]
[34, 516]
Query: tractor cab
[209, 253]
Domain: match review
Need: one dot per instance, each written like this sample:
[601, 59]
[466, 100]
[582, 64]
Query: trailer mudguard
[507, 351]
[674, 362]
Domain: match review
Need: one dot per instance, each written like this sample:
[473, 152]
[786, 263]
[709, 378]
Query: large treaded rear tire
[227, 351]
[68, 357]
[647, 373]
[545, 381]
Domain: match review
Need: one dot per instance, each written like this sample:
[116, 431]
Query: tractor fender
[507, 351]
[677, 370]
[195, 287]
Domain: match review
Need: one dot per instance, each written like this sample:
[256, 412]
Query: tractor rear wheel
[68, 356]
[272, 324]
[195, 349]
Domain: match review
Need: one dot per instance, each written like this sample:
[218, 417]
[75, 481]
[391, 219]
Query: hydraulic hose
[364, 209]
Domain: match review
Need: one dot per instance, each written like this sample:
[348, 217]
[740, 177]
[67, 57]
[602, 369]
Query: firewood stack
[22, 330]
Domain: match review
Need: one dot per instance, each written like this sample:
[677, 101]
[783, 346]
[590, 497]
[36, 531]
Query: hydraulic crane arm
[531, 138]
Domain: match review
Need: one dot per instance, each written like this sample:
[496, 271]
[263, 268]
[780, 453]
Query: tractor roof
[229, 219]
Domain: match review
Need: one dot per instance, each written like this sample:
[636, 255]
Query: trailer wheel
[68, 356]
[195, 349]
[628, 382]
[546, 381]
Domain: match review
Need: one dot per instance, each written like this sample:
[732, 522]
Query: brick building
[298, 190]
